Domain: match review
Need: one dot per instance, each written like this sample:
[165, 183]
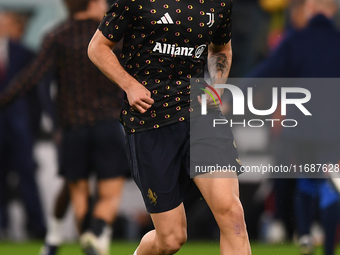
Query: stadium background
[258, 27]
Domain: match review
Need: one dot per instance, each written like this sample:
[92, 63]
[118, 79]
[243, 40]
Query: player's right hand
[139, 97]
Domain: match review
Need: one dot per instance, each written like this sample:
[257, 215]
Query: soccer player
[88, 110]
[166, 44]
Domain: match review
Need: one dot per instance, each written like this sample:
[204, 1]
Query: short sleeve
[118, 20]
[223, 33]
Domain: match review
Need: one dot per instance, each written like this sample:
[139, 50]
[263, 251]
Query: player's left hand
[212, 103]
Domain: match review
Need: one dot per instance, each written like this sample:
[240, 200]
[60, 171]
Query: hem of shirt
[146, 128]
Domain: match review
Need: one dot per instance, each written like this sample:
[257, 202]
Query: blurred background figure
[250, 29]
[92, 139]
[18, 124]
[311, 52]
[297, 14]
[282, 216]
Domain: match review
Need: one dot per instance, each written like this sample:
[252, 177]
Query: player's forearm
[103, 57]
[219, 63]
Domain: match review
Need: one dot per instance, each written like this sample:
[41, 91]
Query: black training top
[165, 44]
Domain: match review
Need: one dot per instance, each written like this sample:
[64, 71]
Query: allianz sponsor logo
[172, 49]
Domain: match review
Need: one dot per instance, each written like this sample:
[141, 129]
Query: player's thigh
[170, 226]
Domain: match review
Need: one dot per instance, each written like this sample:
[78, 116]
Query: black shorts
[160, 159]
[213, 149]
[98, 149]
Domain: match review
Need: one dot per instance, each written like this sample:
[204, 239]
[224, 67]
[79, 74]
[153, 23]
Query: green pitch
[124, 248]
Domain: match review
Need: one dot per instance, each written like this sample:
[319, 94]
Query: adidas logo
[166, 19]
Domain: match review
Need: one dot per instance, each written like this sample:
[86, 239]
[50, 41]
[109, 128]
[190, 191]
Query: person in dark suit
[312, 52]
[16, 137]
